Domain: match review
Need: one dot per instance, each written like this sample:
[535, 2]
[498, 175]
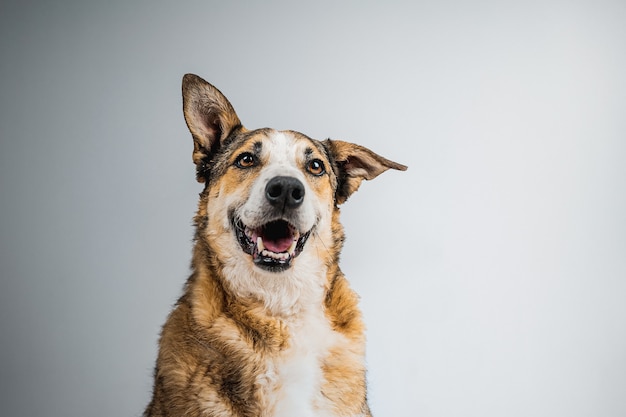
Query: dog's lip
[272, 245]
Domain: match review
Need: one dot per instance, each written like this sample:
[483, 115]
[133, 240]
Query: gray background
[492, 273]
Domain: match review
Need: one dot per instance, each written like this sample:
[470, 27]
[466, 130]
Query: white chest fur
[294, 379]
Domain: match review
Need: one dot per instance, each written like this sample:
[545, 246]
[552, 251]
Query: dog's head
[270, 200]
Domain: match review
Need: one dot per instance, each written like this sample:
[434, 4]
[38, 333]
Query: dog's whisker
[317, 235]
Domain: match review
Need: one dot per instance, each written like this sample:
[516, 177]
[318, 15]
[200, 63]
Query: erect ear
[209, 116]
[356, 163]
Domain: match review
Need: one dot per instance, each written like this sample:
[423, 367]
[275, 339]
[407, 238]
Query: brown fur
[215, 345]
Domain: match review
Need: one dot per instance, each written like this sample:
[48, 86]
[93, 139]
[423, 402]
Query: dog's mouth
[273, 245]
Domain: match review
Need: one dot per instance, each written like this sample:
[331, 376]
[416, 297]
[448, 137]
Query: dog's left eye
[245, 160]
[316, 167]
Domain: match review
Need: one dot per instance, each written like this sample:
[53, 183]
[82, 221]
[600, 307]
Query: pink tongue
[278, 245]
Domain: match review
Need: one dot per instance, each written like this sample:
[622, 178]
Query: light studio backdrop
[492, 273]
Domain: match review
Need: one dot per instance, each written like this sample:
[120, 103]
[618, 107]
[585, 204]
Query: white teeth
[292, 248]
[259, 244]
[279, 256]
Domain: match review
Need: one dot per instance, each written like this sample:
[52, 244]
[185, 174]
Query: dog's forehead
[284, 146]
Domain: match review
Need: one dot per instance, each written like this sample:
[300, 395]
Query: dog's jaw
[284, 287]
[283, 292]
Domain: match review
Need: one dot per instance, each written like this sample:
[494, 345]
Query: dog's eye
[316, 167]
[245, 160]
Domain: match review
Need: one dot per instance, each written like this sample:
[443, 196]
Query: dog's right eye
[246, 160]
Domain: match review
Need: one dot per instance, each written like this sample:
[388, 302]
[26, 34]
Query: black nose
[284, 192]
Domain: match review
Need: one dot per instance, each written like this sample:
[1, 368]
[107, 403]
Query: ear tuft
[356, 163]
[209, 115]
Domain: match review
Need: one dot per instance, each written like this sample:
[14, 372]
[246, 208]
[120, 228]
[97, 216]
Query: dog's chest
[293, 381]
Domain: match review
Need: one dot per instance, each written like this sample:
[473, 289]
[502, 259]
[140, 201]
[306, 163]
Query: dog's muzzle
[275, 244]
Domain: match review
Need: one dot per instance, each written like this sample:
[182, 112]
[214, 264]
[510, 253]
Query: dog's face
[269, 208]
[271, 193]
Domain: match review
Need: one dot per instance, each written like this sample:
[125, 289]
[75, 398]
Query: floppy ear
[356, 163]
[210, 118]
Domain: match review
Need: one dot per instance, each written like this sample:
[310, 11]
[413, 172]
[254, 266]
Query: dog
[267, 325]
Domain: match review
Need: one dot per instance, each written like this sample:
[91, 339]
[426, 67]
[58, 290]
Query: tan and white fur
[267, 325]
